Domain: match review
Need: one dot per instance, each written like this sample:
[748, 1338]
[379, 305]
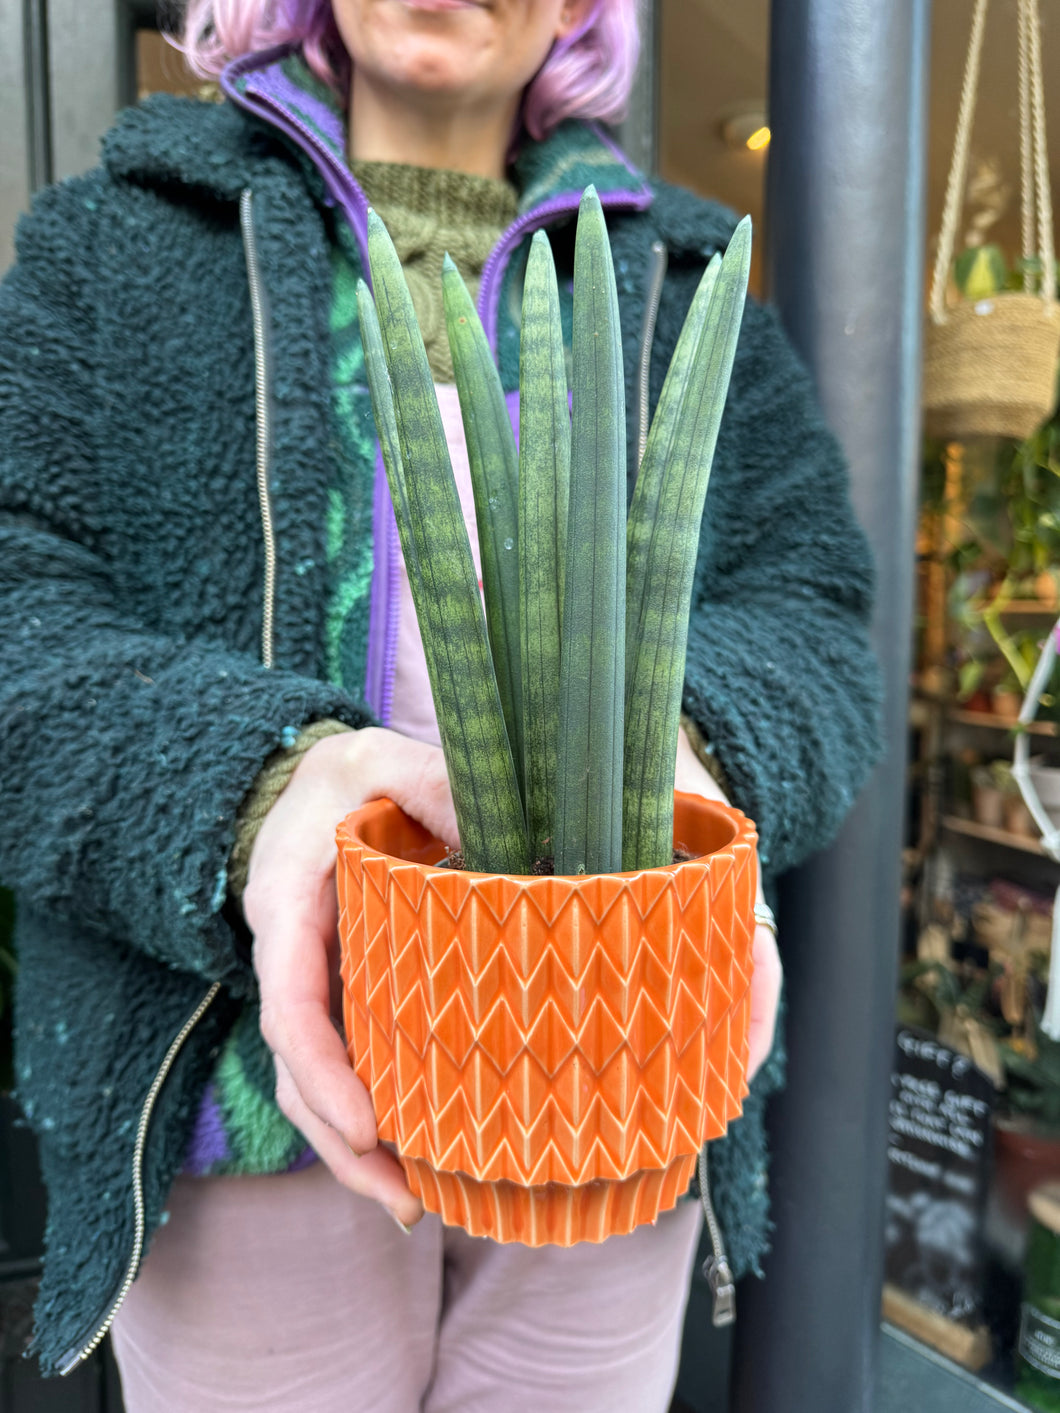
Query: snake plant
[558, 703]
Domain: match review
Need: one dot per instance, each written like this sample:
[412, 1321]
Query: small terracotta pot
[548, 1054]
[1025, 1155]
[1006, 705]
[988, 806]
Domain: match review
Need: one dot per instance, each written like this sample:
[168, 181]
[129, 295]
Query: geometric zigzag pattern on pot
[548, 1030]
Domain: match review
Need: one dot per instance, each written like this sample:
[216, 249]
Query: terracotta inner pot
[547, 1054]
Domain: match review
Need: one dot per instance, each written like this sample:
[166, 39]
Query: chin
[434, 66]
[439, 78]
[430, 47]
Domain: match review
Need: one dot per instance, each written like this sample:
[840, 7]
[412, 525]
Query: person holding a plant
[205, 671]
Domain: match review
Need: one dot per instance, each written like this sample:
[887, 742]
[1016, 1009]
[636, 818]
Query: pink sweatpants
[291, 1295]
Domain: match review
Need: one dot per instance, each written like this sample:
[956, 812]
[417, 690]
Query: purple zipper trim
[348, 194]
[258, 100]
[381, 650]
[489, 294]
[208, 1142]
[386, 592]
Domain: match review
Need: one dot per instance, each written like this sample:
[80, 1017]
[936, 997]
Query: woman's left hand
[768, 972]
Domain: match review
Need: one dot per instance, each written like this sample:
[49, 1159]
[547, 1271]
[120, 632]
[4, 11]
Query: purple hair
[588, 74]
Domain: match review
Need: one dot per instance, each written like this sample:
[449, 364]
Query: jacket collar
[215, 149]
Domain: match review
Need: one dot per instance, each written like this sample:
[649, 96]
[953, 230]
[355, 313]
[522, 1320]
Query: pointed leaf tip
[448, 263]
[590, 197]
[741, 236]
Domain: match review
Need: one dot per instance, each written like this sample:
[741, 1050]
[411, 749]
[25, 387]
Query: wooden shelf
[990, 835]
[1021, 608]
[1031, 606]
[989, 720]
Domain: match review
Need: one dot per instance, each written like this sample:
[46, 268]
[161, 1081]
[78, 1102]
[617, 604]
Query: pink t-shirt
[412, 710]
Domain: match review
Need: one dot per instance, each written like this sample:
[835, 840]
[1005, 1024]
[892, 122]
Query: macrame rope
[1026, 146]
[959, 168]
[1035, 188]
[1044, 190]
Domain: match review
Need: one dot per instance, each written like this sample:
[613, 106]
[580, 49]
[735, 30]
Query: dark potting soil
[545, 868]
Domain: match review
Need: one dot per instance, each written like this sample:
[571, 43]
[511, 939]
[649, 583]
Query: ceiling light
[746, 129]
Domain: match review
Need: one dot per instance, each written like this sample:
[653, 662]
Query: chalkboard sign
[938, 1152]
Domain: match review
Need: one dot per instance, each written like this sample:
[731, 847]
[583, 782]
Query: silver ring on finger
[765, 918]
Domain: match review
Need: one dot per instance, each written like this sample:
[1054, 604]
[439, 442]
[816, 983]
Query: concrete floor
[913, 1378]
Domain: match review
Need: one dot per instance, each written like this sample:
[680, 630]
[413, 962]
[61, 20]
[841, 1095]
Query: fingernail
[398, 1221]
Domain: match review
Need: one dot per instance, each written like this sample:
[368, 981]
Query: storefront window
[975, 1121]
[160, 69]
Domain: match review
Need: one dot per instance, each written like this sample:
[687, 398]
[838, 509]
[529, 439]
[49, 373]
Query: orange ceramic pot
[548, 1055]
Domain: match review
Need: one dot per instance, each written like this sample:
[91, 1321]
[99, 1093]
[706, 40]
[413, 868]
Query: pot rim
[744, 832]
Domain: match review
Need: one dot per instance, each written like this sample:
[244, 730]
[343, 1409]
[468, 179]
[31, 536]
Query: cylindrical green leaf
[477, 753]
[664, 530]
[544, 472]
[494, 479]
[592, 666]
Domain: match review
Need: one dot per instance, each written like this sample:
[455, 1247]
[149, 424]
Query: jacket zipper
[716, 1269]
[174, 1050]
[647, 338]
[261, 386]
[264, 431]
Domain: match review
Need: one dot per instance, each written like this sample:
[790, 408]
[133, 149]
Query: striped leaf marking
[494, 479]
[592, 660]
[544, 473]
[663, 535]
[477, 752]
[386, 427]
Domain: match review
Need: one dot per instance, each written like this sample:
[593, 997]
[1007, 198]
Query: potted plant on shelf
[551, 1031]
[1027, 1131]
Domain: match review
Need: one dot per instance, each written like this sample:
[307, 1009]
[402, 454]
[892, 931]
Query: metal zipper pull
[716, 1269]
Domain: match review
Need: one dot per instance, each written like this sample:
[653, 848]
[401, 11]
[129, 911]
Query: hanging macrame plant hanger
[990, 364]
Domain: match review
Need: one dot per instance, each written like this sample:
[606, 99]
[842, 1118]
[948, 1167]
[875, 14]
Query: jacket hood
[166, 141]
[216, 150]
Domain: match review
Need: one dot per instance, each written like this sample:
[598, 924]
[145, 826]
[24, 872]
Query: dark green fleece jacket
[134, 713]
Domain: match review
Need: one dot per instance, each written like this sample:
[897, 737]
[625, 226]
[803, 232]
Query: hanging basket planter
[990, 364]
[548, 1054]
[990, 368]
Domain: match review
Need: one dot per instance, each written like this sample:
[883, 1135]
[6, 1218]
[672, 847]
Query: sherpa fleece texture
[134, 716]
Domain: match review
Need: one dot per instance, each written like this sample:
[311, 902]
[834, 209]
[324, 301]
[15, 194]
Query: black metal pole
[38, 92]
[845, 242]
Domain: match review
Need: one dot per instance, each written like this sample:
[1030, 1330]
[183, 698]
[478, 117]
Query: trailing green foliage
[592, 659]
[495, 480]
[663, 537]
[442, 574]
[544, 475]
[589, 648]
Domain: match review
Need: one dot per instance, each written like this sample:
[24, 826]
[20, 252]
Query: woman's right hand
[291, 908]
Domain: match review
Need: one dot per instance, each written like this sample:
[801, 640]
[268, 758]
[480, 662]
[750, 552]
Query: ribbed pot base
[552, 1214]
